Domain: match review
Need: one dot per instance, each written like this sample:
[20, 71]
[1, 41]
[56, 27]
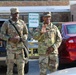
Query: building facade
[59, 8]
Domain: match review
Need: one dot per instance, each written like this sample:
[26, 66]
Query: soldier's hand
[43, 30]
[15, 39]
[49, 50]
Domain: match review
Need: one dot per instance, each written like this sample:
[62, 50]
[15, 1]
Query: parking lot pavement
[33, 68]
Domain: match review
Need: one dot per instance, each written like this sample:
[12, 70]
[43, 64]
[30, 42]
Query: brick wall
[34, 3]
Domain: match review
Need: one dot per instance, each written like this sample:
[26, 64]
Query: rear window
[71, 29]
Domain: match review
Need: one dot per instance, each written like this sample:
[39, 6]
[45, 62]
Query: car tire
[3, 69]
[26, 68]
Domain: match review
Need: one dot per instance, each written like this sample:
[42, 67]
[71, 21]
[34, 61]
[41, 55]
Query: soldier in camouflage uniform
[15, 52]
[49, 39]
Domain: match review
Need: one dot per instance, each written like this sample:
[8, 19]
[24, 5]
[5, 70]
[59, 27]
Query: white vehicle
[68, 71]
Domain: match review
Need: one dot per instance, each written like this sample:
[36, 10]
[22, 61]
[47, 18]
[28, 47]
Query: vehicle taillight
[70, 43]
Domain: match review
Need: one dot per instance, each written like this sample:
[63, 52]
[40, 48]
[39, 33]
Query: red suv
[67, 50]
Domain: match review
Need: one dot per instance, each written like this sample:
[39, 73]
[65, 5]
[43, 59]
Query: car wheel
[26, 68]
[3, 69]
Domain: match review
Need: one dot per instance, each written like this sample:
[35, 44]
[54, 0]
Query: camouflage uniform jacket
[51, 38]
[7, 31]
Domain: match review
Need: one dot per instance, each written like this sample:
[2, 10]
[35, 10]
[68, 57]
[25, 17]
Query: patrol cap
[14, 10]
[47, 14]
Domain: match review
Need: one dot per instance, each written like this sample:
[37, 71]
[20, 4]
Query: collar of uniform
[15, 21]
[51, 25]
[18, 21]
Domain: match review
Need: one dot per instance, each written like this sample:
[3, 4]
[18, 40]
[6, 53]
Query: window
[72, 17]
[71, 29]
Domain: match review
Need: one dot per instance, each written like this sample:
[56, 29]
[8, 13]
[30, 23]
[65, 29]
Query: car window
[71, 29]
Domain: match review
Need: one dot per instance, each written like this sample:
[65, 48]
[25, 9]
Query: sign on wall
[33, 19]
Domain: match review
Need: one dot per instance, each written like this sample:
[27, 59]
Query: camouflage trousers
[48, 62]
[17, 59]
